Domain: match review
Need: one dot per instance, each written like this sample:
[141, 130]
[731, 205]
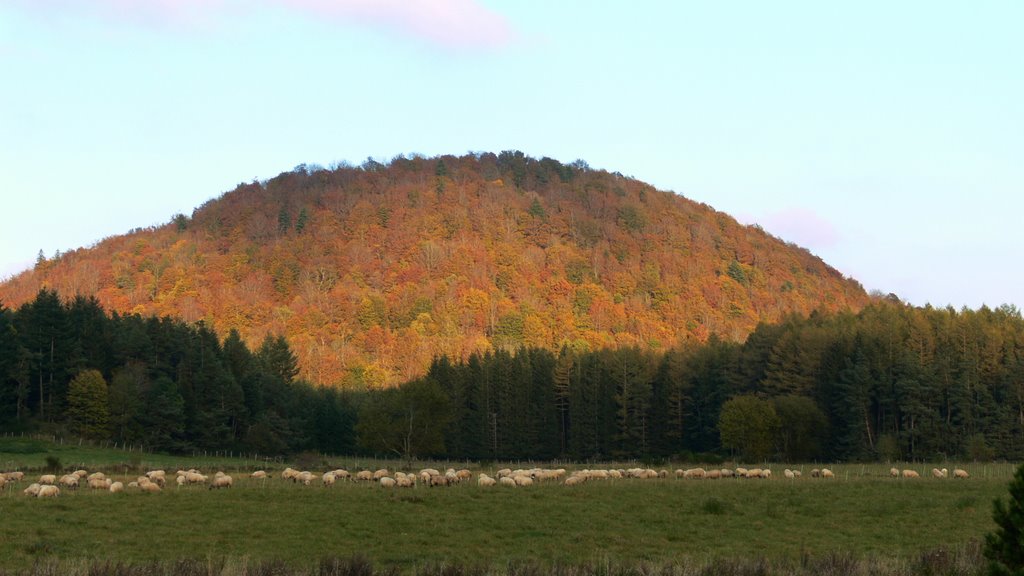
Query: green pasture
[861, 512]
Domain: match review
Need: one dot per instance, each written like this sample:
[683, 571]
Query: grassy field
[862, 513]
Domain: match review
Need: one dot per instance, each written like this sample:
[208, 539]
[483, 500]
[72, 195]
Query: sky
[886, 137]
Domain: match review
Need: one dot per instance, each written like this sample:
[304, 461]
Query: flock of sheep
[49, 485]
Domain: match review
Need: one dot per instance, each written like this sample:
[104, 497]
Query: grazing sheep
[222, 481]
[911, 474]
[340, 474]
[192, 477]
[32, 490]
[754, 473]
[797, 473]
[615, 474]
[504, 472]
[98, 484]
[573, 480]
[305, 477]
[69, 481]
[48, 491]
[364, 476]
[14, 476]
[936, 473]
[695, 473]
[894, 472]
[81, 474]
[380, 474]
[815, 473]
[507, 481]
[387, 482]
[485, 480]
[464, 474]
[766, 473]
[789, 474]
[438, 480]
[328, 479]
[116, 487]
[727, 473]
[741, 472]
[960, 473]
[133, 484]
[151, 487]
[522, 480]
[826, 473]
[713, 474]
[181, 481]
[258, 475]
[289, 474]
[48, 479]
[407, 481]
[430, 472]
[97, 476]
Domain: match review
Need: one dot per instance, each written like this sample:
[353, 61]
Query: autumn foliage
[372, 271]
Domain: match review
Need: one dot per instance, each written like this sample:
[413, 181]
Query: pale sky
[886, 137]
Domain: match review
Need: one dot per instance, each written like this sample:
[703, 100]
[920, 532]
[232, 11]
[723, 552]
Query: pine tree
[1005, 547]
[87, 413]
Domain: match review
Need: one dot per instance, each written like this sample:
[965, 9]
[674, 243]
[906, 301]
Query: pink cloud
[801, 226]
[447, 23]
[452, 23]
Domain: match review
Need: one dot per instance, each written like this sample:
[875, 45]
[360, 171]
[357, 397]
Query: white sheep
[387, 482]
[14, 476]
[507, 481]
[364, 476]
[69, 481]
[98, 484]
[380, 473]
[789, 474]
[936, 473]
[222, 481]
[48, 479]
[116, 487]
[485, 480]
[97, 475]
[157, 476]
[328, 479]
[81, 474]
[572, 480]
[911, 474]
[48, 491]
[259, 475]
[894, 472]
[522, 480]
[695, 473]
[504, 472]
[341, 474]
[151, 487]
[826, 473]
[960, 473]
[727, 473]
[32, 490]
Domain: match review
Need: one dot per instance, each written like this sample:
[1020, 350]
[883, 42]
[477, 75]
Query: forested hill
[372, 271]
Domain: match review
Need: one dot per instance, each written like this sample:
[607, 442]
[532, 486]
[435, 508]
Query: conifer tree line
[892, 382]
[70, 368]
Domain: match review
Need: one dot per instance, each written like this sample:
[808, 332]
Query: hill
[372, 271]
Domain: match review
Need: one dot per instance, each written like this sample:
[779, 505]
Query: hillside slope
[372, 271]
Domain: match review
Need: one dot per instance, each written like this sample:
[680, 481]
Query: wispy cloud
[447, 23]
[802, 226]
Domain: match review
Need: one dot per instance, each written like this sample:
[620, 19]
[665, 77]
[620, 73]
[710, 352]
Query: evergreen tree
[1004, 548]
[88, 414]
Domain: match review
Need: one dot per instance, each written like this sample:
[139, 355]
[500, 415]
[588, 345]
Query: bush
[53, 463]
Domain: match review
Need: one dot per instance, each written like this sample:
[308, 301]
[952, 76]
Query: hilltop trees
[371, 272]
